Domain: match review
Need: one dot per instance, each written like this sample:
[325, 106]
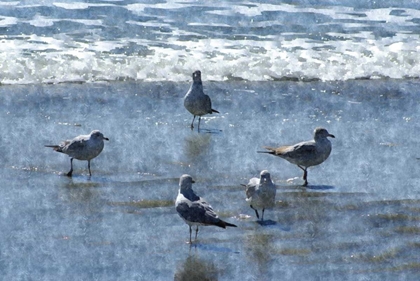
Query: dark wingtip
[269, 150]
[54, 147]
[223, 224]
[231, 224]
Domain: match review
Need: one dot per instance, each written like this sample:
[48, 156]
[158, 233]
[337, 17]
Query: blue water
[275, 71]
[357, 220]
[62, 41]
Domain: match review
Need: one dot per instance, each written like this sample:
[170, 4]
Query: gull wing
[297, 151]
[252, 187]
[207, 103]
[74, 145]
[197, 212]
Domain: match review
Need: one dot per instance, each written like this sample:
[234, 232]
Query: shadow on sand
[212, 248]
[320, 187]
[271, 223]
[210, 131]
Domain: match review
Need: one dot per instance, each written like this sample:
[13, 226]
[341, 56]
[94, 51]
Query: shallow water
[357, 220]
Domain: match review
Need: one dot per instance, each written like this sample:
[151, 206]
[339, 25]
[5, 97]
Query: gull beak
[106, 138]
[331, 135]
[193, 181]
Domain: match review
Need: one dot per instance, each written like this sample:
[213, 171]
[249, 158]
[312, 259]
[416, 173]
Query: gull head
[264, 176]
[186, 181]
[320, 133]
[196, 76]
[95, 134]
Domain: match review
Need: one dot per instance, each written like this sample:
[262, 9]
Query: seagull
[305, 154]
[83, 147]
[195, 101]
[261, 193]
[193, 209]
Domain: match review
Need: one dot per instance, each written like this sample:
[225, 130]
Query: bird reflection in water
[260, 250]
[195, 268]
[197, 148]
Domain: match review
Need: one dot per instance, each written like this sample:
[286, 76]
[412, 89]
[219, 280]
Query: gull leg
[192, 123]
[256, 212]
[305, 175]
[90, 173]
[190, 234]
[69, 174]
[196, 232]
[262, 217]
[199, 120]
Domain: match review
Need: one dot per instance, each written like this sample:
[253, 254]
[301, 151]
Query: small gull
[305, 154]
[195, 101]
[83, 147]
[261, 193]
[193, 209]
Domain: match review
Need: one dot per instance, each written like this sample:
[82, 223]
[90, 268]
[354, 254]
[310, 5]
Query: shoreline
[230, 80]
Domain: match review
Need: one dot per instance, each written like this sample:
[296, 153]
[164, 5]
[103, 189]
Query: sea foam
[229, 41]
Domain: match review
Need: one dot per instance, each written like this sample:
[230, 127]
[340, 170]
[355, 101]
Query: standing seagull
[193, 209]
[305, 154]
[261, 193]
[195, 101]
[83, 147]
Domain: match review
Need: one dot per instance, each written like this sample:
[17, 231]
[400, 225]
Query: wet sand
[358, 218]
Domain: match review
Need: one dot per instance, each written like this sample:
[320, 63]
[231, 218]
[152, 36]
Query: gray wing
[297, 151]
[250, 191]
[251, 187]
[198, 212]
[75, 145]
[207, 103]
[62, 147]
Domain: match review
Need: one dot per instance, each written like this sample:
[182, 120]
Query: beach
[358, 219]
[275, 71]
